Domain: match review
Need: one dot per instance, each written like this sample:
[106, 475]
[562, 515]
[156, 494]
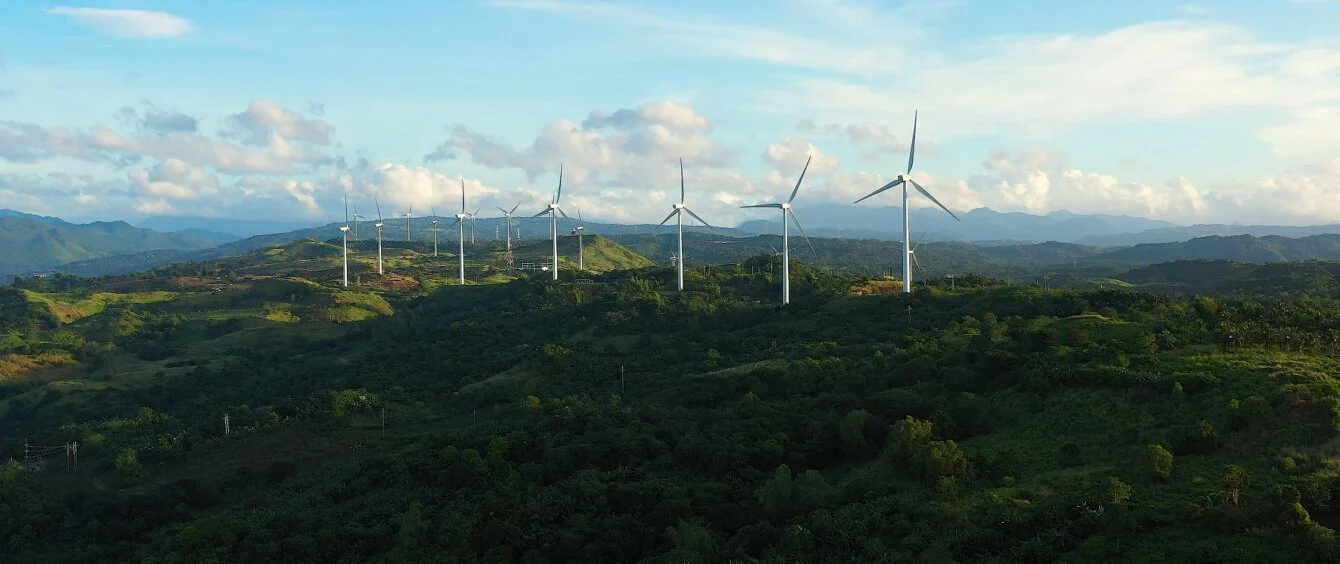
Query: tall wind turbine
[407, 216]
[508, 216]
[903, 180]
[461, 218]
[678, 213]
[344, 236]
[786, 234]
[356, 218]
[433, 210]
[379, 225]
[579, 231]
[554, 211]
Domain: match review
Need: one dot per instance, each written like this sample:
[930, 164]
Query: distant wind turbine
[508, 216]
[678, 213]
[344, 238]
[379, 225]
[356, 218]
[903, 180]
[461, 218]
[433, 210]
[407, 216]
[579, 231]
[554, 210]
[786, 234]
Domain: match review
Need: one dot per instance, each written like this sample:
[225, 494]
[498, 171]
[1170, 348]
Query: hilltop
[40, 244]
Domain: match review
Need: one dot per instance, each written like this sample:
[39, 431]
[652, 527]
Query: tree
[128, 467]
[853, 431]
[1160, 462]
[1235, 481]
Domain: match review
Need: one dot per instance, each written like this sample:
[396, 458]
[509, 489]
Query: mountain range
[983, 237]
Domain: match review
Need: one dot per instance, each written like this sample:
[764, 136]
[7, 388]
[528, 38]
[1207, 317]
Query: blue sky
[1194, 113]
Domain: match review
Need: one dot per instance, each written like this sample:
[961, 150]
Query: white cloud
[153, 207]
[788, 157]
[131, 23]
[176, 180]
[1313, 133]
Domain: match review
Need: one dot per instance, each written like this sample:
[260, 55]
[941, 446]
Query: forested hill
[1240, 248]
[38, 244]
[620, 421]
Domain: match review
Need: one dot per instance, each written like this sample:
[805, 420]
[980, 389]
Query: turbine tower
[786, 235]
[407, 216]
[356, 218]
[508, 216]
[678, 212]
[474, 217]
[579, 231]
[379, 225]
[433, 210]
[903, 180]
[461, 218]
[554, 211]
[344, 237]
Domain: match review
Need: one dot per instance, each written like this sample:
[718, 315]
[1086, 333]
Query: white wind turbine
[379, 226]
[554, 211]
[474, 218]
[786, 234]
[579, 231]
[903, 180]
[508, 216]
[461, 218]
[433, 210]
[356, 218]
[407, 216]
[344, 237]
[679, 211]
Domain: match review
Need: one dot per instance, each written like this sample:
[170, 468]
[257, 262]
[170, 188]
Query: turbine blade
[476, 212]
[562, 213]
[579, 215]
[346, 209]
[802, 229]
[886, 187]
[695, 216]
[514, 209]
[667, 218]
[379, 208]
[458, 221]
[505, 212]
[801, 179]
[912, 150]
[937, 202]
[681, 180]
[763, 206]
[559, 194]
[542, 212]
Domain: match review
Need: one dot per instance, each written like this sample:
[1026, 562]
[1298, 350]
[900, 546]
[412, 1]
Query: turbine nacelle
[680, 206]
[378, 225]
[462, 216]
[344, 228]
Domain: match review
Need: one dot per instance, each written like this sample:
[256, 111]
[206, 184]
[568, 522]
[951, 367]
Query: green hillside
[621, 421]
[33, 245]
[601, 254]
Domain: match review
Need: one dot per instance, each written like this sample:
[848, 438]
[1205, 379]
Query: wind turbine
[474, 217]
[554, 211]
[786, 234]
[407, 216]
[344, 237]
[678, 213]
[379, 225]
[579, 231]
[508, 216]
[461, 218]
[433, 210]
[903, 180]
[356, 218]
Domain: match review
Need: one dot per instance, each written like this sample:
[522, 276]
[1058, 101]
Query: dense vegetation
[613, 421]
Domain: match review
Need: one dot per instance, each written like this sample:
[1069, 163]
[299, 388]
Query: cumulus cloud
[174, 179]
[265, 119]
[130, 23]
[788, 157]
[289, 142]
[157, 120]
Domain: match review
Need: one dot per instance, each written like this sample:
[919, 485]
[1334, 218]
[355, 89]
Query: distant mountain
[1240, 248]
[1221, 276]
[6, 212]
[981, 224]
[1175, 234]
[36, 245]
[214, 236]
[238, 228]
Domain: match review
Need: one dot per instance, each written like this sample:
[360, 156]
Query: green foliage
[1160, 462]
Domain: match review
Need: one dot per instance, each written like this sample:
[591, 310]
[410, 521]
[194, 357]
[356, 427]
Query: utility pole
[495, 232]
[621, 379]
[383, 422]
[226, 427]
